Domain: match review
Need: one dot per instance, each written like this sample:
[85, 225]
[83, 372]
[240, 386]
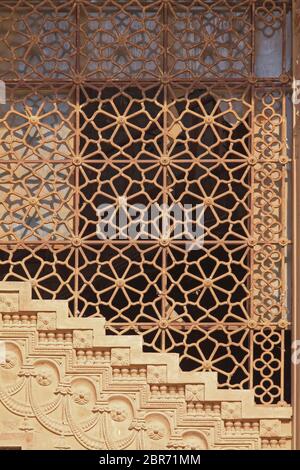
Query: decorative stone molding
[231, 410]
[194, 392]
[270, 427]
[156, 374]
[46, 321]
[9, 303]
[81, 389]
[120, 356]
[82, 339]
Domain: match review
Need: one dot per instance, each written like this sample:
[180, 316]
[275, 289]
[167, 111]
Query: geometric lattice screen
[156, 102]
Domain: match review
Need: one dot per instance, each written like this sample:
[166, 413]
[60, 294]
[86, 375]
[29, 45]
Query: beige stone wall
[65, 385]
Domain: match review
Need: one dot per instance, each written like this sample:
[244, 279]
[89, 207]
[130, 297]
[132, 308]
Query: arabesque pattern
[144, 103]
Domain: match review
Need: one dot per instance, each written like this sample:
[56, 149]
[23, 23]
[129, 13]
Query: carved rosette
[194, 392]
[231, 410]
[44, 377]
[83, 339]
[156, 374]
[46, 321]
[10, 360]
[120, 357]
[9, 303]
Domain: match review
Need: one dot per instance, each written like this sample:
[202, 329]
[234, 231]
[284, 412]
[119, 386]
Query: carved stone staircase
[64, 384]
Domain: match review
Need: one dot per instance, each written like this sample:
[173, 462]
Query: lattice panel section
[122, 280]
[120, 39]
[38, 39]
[121, 122]
[142, 104]
[211, 122]
[38, 123]
[269, 296]
[50, 269]
[209, 39]
[119, 185]
[224, 190]
[37, 202]
[208, 285]
[268, 350]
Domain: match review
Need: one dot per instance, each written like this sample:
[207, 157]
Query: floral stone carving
[41, 382]
[46, 321]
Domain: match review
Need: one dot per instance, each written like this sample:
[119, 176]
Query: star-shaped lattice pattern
[121, 280]
[121, 40]
[121, 122]
[209, 39]
[37, 124]
[49, 269]
[138, 104]
[223, 189]
[208, 122]
[37, 39]
[37, 202]
[209, 284]
[121, 187]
